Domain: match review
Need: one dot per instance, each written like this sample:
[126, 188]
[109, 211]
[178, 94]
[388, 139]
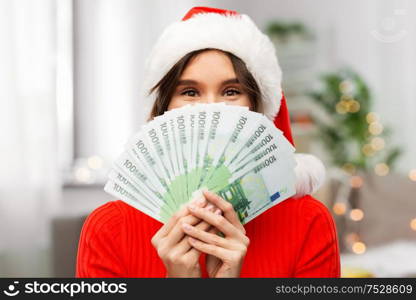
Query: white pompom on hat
[206, 27]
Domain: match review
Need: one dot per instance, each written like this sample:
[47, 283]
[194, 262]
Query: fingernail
[192, 207]
[186, 226]
[218, 211]
[210, 207]
[200, 201]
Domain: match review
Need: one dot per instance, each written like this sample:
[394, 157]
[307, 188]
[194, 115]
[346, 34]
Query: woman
[214, 55]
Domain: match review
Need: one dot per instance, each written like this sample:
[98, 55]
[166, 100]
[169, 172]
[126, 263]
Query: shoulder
[100, 233]
[309, 218]
[103, 220]
[112, 218]
[307, 209]
[318, 215]
[316, 218]
[313, 208]
[313, 233]
[318, 254]
[110, 235]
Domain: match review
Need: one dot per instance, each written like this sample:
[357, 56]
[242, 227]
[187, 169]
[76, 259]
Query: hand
[225, 254]
[178, 256]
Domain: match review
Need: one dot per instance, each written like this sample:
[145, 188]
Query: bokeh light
[381, 169]
[368, 150]
[356, 182]
[356, 214]
[413, 224]
[349, 168]
[358, 247]
[82, 175]
[412, 174]
[95, 162]
[375, 128]
[377, 143]
[372, 117]
[351, 238]
[346, 87]
[339, 208]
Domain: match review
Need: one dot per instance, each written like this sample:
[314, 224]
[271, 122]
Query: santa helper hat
[205, 27]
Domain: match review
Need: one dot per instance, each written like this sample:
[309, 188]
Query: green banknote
[227, 149]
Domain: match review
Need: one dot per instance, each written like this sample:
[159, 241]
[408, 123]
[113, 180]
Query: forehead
[209, 65]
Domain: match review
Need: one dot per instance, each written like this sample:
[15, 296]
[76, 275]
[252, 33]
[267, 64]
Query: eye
[232, 92]
[190, 93]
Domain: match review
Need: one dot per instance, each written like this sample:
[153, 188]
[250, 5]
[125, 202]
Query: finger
[226, 208]
[206, 237]
[176, 234]
[184, 244]
[193, 253]
[243, 238]
[214, 230]
[190, 256]
[165, 229]
[184, 247]
[216, 251]
[202, 224]
[215, 220]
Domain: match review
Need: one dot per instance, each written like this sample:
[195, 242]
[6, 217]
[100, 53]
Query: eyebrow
[194, 82]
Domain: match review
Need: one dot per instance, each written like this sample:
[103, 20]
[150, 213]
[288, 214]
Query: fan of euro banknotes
[229, 150]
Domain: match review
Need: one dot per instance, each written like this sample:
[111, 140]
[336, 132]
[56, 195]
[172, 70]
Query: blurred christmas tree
[356, 141]
[353, 135]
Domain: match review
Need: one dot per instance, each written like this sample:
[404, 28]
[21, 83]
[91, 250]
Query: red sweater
[295, 238]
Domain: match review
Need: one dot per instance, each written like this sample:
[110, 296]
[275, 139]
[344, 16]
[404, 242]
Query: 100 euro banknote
[234, 152]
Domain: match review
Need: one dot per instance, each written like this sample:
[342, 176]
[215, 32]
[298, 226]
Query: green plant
[353, 135]
[283, 30]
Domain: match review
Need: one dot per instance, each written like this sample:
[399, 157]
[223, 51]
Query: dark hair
[166, 86]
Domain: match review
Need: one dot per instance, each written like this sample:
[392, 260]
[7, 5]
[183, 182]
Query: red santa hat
[205, 27]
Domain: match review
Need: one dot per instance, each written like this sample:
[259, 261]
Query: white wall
[112, 40]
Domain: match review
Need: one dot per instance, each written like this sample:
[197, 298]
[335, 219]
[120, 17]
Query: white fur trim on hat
[310, 174]
[236, 34]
